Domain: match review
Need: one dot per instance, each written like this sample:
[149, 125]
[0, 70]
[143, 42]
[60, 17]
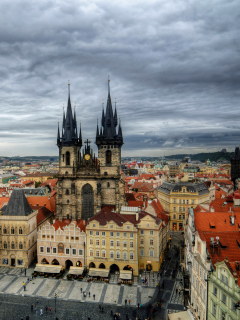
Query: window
[108, 156]
[183, 201]
[108, 185]
[12, 230]
[90, 232]
[124, 255]
[200, 290]
[192, 201]
[94, 225]
[41, 249]
[131, 256]
[20, 230]
[151, 242]
[90, 241]
[183, 209]
[180, 209]
[131, 235]
[48, 250]
[214, 309]
[67, 251]
[174, 208]
[103, 242]
[118, 255]
[141, 241]
[97, 253]
[111, 254]
[103, 233]
[128, 227]
[111, 243]
[131, 244]
[97, 242]
[223, 316]
[174, 216]
[226, 281]
[224, 298]
[97, 233]
[141, 231]
[147, 224]
[80, 252]
[111, 234]
[118, 234]
[125, 234]
[67, 192]
[91, 253]
[68, 158]
[111, 225]
[174, 200]
[103, 254]
[222, 277]
[141, 252]
[54, 250]
[151, 253]
[204, 295]
[74, 251]
[5, 245]
[151, 232]
[124, 244]
[215, 291]
[4, 230]
[118, 243]
[233, 307]
[180, 217]
[179, 201]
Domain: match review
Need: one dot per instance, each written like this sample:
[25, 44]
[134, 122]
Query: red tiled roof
[50, 182]
[130, 197]
[3, 201]
[43, 214]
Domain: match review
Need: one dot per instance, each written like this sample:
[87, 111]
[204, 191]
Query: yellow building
[129, 240]
[38, 176]
[18, 232]
[176, 198]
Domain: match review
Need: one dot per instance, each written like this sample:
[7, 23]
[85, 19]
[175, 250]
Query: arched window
[108, 156]
[20, 230]
[4, 230]
[108, 185]
[87, 201]
[5, 245]
[68, 158]
[67, 201]
[60, 248]
[20, 245]
[12, 230]
[33, 240]
[67, 216]
[13, 245]
[67, 191]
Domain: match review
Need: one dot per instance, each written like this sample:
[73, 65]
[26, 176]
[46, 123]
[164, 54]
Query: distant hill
[212, 156]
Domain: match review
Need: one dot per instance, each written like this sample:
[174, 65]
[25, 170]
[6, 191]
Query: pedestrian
[32, 307]
[129, 301]
[99, 308]
[41, 312]
[37, 300]
[111, 313]
[81, 290]
[102, 309]
[179, 291]
[50, 309]
[89, 318]
[89, 294]
[36, 311]
[176, 291]
[125, 302]
[138, 305]
[94, 297]
[27, 317]
[160, 305]
[46, 308]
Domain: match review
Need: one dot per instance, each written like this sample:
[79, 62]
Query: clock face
[87, 156]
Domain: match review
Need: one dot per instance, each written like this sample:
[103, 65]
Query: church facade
[87, 183]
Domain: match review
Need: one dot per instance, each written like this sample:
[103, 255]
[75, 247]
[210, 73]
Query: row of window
[199, 288]
[118, 243]
[180, 209]
[151, 253]
[66, 237]
[13, 246]
[118, 234]
[180, 217]
[222, 313]
[118, 254]
[67, 251]
[183, 201]
[20, 231]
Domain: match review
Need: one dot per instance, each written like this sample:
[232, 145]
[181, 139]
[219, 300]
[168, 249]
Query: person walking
[94, 297]
[176, 291]
[179, 291]
[46, 308]
[81, 290]
[89, 294]
[50, 309]
[32, 307]
[125, 302]
[129, 301]
[138, 305]
[41, 312]
[102, 309]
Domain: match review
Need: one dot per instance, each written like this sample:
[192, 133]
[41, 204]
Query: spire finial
[108, 84]
[68, 88]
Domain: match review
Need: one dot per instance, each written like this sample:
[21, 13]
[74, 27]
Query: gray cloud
[174, 69]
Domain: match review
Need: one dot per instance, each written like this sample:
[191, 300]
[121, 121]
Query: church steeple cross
[87, 142]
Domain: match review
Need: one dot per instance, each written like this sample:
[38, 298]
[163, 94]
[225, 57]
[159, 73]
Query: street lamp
[55, 297]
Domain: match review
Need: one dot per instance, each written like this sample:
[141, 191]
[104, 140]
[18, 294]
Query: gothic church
[85, 183]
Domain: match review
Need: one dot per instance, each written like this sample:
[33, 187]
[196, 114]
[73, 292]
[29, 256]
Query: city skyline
[174, 70]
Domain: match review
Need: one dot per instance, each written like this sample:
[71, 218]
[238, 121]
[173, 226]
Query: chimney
[212, 209]
[232, 219]
[137, 213]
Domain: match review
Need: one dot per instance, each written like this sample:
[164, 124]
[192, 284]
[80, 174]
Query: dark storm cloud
[174, 67]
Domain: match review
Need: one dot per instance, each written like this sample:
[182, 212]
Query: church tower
[109, 141]
[87, 184]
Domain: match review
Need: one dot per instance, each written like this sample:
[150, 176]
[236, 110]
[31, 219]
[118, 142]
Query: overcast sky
[174, 67]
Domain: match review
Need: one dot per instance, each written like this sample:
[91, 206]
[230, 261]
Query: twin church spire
[110, 131]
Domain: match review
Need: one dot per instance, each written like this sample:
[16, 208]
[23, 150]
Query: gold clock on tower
[87, 157]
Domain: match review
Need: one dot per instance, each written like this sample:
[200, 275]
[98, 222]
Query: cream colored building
[18, 232]
[176, 198]
[129, 240]
[62, 243]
